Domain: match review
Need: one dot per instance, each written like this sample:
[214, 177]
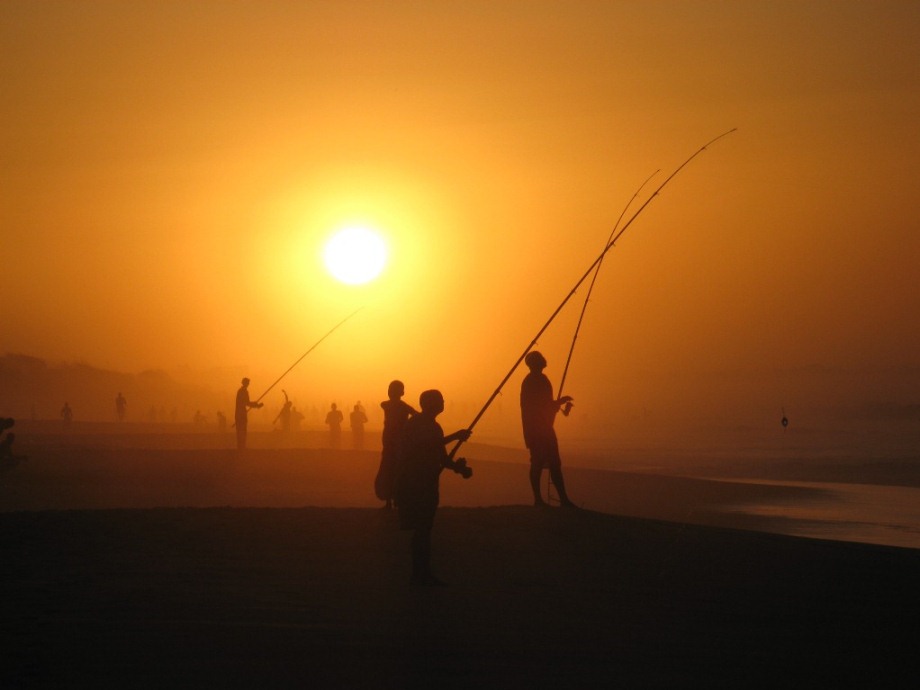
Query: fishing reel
[460, 467]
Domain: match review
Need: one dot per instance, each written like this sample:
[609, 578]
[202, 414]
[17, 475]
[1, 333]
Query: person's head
[535, 361]
[431, 402]
[334, 406]
[245, 382]
[396, 390]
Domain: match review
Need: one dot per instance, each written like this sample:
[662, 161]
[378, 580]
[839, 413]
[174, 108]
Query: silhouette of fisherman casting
[424, 456]
[241, 418]
[396, 413]
[538, 414]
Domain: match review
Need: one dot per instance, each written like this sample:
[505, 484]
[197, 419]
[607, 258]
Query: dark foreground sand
[100, 589]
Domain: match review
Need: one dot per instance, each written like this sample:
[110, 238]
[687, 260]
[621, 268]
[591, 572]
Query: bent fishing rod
[584, 307]
[313, 347]
[581, 280]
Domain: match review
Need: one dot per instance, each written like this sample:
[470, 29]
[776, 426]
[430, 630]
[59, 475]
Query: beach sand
[164, 566]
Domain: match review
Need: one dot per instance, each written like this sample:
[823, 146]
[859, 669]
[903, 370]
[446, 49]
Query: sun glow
[355, 255]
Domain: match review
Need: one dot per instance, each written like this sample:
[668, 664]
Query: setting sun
[355, 255]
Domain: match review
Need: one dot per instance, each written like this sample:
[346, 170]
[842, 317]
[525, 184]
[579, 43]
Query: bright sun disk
[355, 255]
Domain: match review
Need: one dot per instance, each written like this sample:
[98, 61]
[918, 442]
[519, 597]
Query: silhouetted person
[67, 416]
[357, 419]
[396, 413]
[6, 442]
[121, 407]
[423, 459]
[334, 421]
[284, 416]
[241, 417]
[221, 421]
[538, 414]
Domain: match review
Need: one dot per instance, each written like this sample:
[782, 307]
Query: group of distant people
[414, 453]
[357, 418]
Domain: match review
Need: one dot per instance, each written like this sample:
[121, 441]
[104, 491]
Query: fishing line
[584, 277]
[584, 307]
[313, 347]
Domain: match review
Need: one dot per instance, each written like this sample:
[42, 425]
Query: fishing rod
[584, 307]
[587, 273]
[313, 347]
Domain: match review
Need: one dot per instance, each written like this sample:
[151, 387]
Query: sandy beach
[131, 561]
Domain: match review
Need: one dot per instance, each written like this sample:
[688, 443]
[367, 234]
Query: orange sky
[170, 170]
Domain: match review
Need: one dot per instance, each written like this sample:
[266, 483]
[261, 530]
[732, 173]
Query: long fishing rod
[600, 258]
[584, 307]
[313, 347]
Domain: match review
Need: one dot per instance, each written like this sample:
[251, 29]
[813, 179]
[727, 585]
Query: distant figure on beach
[357, 419]
[424, 456]
[241, 417]
[221, 421]
[396, 413]
[538, 414]
[121, 407]
[334, 421]
[8, 459]
[67, 416]
[284, 416]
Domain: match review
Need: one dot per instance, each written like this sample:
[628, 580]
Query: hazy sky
[169, 172]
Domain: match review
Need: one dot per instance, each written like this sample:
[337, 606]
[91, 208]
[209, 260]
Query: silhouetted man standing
[423, 459]
[334, 420]
[241, 418]
[538, 414]
[121, 407]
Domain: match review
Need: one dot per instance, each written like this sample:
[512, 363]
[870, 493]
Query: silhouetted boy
[538, 414]
[423, 459]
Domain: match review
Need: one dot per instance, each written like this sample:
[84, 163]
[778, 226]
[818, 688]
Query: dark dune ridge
[165, 565]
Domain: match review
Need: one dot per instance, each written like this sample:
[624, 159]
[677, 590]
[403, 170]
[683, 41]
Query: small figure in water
[357, 419]
[538, 414]
[396, 412]
[424, 457]
[241, 415]
[334, 420]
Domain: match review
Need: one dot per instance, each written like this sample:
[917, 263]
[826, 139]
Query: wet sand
[190, 568]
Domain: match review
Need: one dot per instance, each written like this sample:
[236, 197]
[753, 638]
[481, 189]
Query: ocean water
[886, 515]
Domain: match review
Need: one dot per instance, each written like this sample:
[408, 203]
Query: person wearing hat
[538, 414]
[242, 413]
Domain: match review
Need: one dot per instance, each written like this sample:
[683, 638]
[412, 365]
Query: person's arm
[461, 435]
